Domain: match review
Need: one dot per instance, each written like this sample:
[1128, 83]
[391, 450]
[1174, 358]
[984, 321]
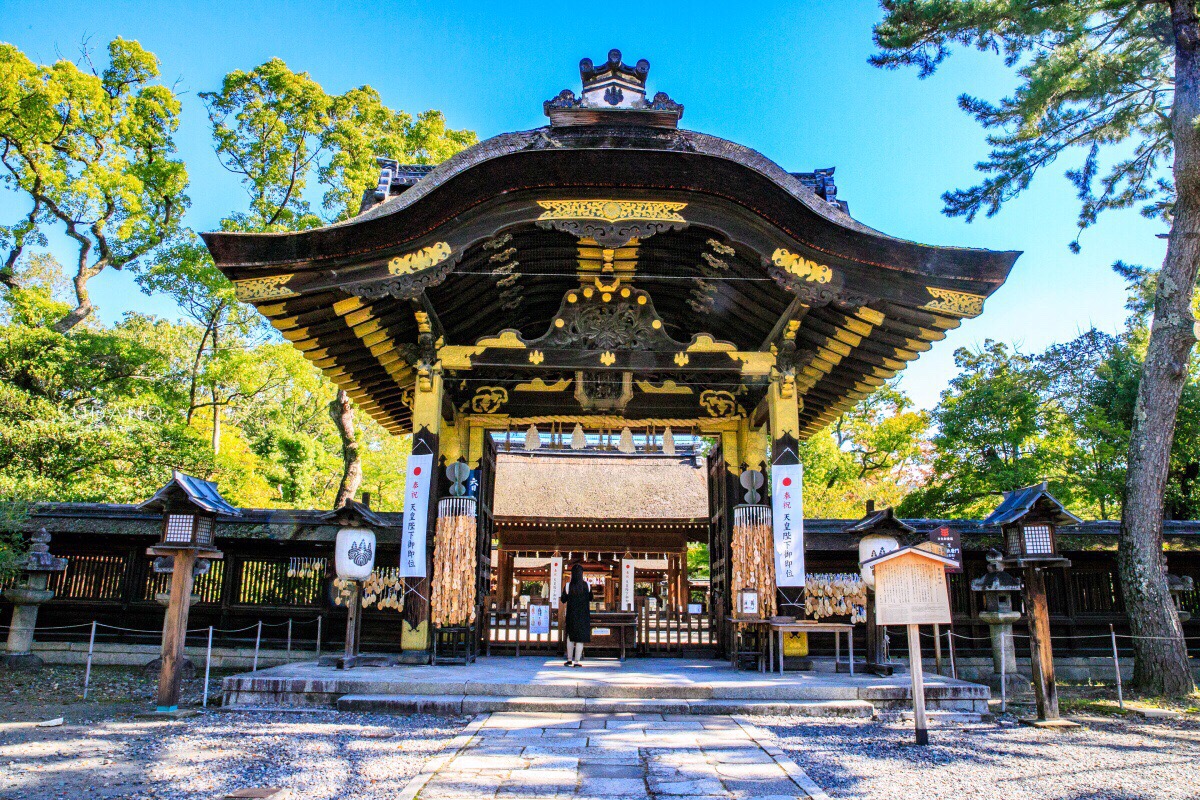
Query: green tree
[92, 151]
[1119, 83]
[995, 432]
[278, 130]
[872, 452]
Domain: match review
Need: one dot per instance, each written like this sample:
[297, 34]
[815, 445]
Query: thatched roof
[600, 487]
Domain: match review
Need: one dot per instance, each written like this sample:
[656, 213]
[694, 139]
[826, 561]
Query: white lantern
[870, 546]
[354, 554]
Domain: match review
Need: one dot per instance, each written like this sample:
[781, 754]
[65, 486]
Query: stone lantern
[1000, 612]
[1029, 519]
[1178, 586]
[26, 596]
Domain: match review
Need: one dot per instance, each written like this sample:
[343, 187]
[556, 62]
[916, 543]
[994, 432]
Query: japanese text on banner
[787, 512]
[416, 516]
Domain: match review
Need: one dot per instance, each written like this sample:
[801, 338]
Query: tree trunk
[83, 307]
[342, 411]
[1160, 657]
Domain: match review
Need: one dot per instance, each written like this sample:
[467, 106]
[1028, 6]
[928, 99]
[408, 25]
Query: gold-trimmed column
[427, 426]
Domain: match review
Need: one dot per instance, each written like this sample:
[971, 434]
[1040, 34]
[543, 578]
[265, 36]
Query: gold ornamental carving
[252, 290]
[488, 399]
[539, 385]
[718, 403]
[612, 210]
[804, 268]
[424, 258]
[960, 304]
[667, 387]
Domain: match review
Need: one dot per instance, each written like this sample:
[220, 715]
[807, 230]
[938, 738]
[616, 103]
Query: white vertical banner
[416, 516]
[626, 584]
[787, 511]
[556, 569]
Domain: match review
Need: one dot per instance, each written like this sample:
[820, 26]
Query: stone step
[477, 704]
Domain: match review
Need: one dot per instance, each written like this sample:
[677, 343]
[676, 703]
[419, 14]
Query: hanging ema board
[910, 587]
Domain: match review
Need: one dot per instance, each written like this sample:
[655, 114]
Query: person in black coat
[578, 598]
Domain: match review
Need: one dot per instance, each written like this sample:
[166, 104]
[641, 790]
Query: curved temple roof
[612, 264]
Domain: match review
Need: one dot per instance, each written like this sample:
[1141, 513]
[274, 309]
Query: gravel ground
[1106, 759]
[103, 752]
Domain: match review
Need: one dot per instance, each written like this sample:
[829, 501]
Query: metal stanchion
[289, 644]
[87, 672]
[207, 666]
[319, 636]
[1117, 669]
[1003, 677]
[257, 641]
[950, 642]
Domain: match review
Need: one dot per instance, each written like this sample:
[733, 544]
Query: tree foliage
[92, 152]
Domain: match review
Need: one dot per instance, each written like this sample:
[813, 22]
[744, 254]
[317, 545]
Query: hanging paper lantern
[578, 438]
[626, 443]
[533, 438]
[354, 554]
[668, 445]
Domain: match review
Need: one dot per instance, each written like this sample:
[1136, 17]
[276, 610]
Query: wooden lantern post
[910, 590]
[1029, 519]
[881, 532]
[354, 561]
[190, 507]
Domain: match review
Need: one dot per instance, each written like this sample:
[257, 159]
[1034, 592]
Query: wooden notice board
[910, 589]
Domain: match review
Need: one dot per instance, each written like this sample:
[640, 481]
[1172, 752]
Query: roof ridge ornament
[613, 93]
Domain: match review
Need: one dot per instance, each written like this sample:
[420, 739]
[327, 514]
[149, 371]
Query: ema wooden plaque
[910, 589]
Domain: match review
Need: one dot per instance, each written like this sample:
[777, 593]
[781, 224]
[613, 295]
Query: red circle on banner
[417, 471]
[786, 481]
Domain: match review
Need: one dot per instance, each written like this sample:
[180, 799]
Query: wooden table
[836, 628]
[733, 649]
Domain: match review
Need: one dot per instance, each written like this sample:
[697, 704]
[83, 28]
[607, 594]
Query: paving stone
[589, 771]
[687, 788]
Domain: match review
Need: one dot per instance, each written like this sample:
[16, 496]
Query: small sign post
[556, 576]
[539, 620]
[910, 590]
[627, 578]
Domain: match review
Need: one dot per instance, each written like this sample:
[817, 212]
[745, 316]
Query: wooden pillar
[175, 630]
[672, 582]
[504, 578]
[427, 424]
[1041, 657]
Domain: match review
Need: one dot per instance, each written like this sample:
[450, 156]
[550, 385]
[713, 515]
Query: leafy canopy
[94, 153]
[1095, 76]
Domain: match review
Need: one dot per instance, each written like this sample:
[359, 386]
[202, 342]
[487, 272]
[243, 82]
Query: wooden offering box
[614, 630]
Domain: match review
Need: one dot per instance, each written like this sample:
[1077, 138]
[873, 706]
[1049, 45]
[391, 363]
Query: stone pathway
[507, 756]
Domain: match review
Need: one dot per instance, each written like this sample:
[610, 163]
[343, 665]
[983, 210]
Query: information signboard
[910, 589]
[627, 584]
[787, 512]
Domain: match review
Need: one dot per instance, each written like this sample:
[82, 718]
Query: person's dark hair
[578, 584]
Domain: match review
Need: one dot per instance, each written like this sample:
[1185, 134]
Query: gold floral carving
[703, 343]
[536, 357]
[960, 304]
[607, 358]
[803, 268]
[488, 399]
[252, 290]
[424, 258]
[681, 359]
[668, 387]
[507, 338]
[612, 210]
[539, 385]
[718, 403]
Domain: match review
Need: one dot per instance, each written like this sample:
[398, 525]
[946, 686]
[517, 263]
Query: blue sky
[789, 79]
